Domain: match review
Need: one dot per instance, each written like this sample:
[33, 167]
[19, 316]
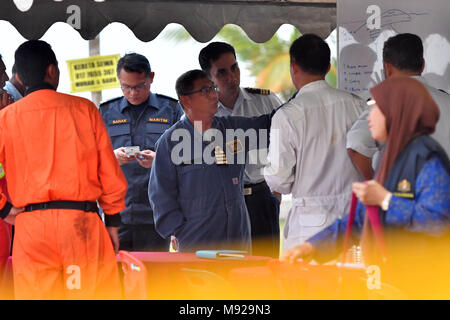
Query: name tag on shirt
[120, 121]
[159, 120]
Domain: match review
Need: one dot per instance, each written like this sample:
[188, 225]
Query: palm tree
[268, 62]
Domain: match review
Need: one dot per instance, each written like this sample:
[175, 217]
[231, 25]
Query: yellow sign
[93, 74]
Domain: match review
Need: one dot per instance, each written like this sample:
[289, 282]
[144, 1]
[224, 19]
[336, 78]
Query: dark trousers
[141, 238]
[264, 211]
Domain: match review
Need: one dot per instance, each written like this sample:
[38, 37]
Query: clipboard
[221, 254]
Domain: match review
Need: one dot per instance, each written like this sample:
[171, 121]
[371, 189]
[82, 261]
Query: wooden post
[94, 50]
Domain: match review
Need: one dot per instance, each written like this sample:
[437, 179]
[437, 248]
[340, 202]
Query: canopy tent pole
[94, 50]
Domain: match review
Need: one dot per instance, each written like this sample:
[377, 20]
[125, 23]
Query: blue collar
[152, 101]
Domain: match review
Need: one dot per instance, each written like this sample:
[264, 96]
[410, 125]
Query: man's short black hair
[134, 62]
[405, 52]
[185, 82]
[311, 53]
[32, 59]
[212, 52]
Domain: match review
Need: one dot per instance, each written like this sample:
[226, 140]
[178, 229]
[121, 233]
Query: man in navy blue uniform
[138, 119]
[196, 188]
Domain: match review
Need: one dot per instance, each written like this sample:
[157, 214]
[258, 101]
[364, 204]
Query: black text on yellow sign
[93, 74]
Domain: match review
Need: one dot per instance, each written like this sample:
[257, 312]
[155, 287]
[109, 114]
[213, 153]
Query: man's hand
[5, 99]
[371, 193]
[145, 158]
[114, 235]
[174, 242]
[278, 196]
[122, 157]
[11, 217]
[303, 251]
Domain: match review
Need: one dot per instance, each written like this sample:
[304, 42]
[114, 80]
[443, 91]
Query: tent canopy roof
[260, 19]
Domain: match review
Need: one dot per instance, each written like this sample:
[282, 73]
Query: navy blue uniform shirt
[128, 128]
[203, 204]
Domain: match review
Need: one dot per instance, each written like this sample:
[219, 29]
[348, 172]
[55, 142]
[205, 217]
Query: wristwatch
[385, 202]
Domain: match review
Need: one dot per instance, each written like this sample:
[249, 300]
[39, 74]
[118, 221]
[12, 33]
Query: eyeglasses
[137, 88]
[204, 91]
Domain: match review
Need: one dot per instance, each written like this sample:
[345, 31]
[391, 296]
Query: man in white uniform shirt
[218, 60]
[402, 57]
[307, 155]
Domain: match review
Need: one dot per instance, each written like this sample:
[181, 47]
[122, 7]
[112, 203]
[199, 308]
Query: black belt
[253, 188]
[74, 205]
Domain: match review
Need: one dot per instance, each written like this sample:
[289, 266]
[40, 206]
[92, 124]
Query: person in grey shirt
[218, 60]
[402, 57]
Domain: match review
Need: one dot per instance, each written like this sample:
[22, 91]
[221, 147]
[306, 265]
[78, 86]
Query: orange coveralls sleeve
[5, 237]
[112, 198]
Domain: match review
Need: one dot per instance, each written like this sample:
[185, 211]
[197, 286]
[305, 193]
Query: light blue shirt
[12, 91]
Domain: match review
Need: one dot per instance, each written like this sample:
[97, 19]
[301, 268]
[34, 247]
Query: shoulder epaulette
[265, 92]
[166, 97]
[284, 104]
[172, 102]
[110, 100]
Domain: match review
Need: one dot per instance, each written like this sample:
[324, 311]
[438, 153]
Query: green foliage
[268, 62]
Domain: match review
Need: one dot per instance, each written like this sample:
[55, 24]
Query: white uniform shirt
[360, 139]
[252, 105]
[307, 157]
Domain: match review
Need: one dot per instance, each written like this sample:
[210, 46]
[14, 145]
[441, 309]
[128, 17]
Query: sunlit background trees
[268, 62]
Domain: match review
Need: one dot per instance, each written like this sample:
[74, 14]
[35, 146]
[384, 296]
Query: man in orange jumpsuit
[59, 161]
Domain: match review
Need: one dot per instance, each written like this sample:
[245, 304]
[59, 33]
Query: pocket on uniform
[314, 217]
[153, 131]
[194, 177]
[313, 220]
[119, 130]
[155, 127]
[185, 168]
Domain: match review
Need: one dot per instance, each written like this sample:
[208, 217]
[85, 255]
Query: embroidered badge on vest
[265, 92]
[235, 146]
[119, 121]
[404, 186]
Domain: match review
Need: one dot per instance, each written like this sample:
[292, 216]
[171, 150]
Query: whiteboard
[364, 26]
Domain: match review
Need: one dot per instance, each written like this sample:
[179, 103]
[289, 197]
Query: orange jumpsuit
[5, 235]
[55, 147]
